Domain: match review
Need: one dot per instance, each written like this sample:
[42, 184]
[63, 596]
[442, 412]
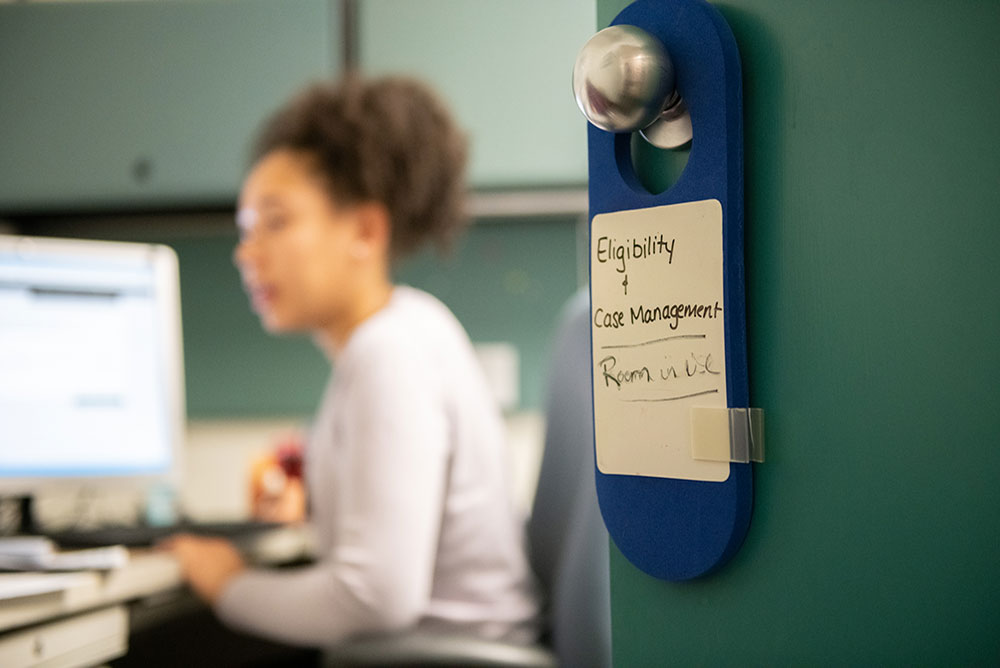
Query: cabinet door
[111, 105]
[505, 69]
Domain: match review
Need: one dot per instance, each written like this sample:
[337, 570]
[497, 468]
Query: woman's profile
[405, 465]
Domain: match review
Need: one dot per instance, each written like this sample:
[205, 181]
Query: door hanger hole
[657, 169]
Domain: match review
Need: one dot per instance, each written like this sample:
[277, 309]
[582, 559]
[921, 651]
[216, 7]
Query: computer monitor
[91, 367]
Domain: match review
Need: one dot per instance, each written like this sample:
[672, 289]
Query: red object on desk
[289, 456]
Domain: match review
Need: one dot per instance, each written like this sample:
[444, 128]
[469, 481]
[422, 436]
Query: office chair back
[568, 540]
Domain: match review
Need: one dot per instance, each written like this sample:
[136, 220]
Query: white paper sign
[658, 336]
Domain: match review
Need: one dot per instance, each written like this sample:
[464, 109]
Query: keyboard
[146, 536]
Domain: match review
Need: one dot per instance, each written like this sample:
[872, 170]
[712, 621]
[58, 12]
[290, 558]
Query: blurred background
[130, 120]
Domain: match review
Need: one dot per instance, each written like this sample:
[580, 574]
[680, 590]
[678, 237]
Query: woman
[405, 466]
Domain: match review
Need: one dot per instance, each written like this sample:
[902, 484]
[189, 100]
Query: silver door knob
[624, 81]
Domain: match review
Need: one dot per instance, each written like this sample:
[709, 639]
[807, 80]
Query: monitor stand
[25, 513]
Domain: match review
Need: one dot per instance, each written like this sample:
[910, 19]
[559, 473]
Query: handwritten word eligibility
[610, 249]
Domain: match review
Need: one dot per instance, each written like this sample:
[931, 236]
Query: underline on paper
[685, 396]
[648, 343]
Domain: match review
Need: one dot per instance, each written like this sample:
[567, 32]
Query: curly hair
[388, 140]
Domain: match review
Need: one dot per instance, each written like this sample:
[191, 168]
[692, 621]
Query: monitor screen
[91, 371]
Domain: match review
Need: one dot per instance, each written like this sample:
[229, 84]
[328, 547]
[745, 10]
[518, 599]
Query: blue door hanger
[667, 299]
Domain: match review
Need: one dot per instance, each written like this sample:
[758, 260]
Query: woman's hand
[208, 564]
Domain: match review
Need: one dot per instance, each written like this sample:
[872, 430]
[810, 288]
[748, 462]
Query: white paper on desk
[20, 585]
[26, 545]
[96, 558]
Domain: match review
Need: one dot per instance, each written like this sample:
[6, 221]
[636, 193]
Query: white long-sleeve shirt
[406, 473]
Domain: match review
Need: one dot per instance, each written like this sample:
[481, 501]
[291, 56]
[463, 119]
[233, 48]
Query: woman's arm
[391, 476]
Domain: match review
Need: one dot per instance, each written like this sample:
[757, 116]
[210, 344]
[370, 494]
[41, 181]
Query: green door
[872, 239]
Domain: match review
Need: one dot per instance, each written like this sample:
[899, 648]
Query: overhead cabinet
[505, 69]
[142, 105]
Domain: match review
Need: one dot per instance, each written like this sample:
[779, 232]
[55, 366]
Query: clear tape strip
[742, 442]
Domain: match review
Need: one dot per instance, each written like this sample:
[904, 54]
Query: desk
[144, 575]
[86, 620]
[147, 592]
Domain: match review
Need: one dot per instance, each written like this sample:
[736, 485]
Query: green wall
[505, 281]
[872, 191]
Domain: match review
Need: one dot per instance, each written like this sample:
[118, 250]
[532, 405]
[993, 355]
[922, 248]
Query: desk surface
[147, 573]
